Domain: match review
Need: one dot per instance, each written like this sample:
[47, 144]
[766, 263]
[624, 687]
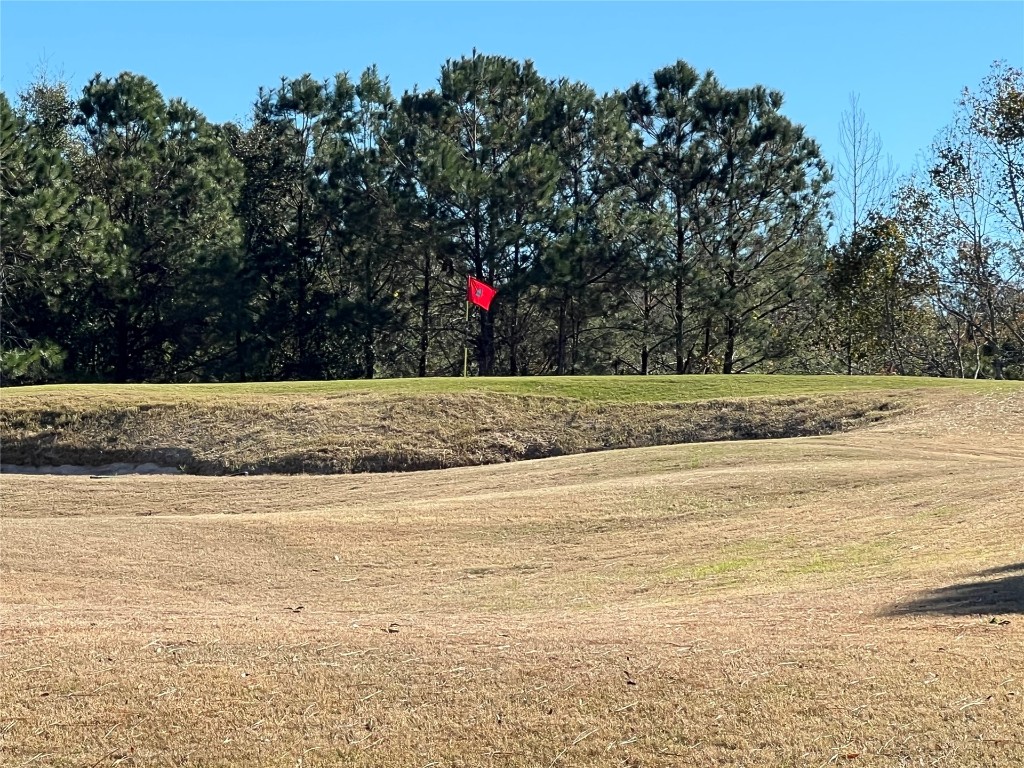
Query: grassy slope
[410, 424]
[854, 599]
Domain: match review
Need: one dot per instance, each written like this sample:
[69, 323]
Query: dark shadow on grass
[1001, 569]
[980, 596]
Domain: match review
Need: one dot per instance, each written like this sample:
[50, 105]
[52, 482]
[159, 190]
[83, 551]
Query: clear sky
[907, 60]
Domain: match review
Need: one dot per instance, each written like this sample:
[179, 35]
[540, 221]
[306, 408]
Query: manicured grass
[618, 389]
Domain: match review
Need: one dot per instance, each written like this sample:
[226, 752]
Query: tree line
[676, 226]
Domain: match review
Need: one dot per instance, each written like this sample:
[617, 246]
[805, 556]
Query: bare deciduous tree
[863, 173]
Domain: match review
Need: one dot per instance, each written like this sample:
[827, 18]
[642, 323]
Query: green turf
[625, 389]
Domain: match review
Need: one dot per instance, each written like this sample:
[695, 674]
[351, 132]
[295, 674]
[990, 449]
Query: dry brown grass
[855, 599]
[370, 432]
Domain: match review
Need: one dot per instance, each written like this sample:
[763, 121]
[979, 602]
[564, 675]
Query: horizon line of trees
[677, 226]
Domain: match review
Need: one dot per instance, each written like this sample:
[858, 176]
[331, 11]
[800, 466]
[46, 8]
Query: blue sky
[907, 60]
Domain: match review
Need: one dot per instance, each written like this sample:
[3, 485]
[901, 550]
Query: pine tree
[581, 264]
[760, 193]
[667, 118]
[51, 243]
[485, 162]
[166, 182]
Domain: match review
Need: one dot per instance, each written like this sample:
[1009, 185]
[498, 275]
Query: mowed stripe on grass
[620, 389]
[850, 599]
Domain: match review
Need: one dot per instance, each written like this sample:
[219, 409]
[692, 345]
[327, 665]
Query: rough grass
[854, 599]
[415, 424]
[360, 432]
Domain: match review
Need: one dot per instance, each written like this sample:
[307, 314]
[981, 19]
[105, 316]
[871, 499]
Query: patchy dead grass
[853, 599]
[363, 432]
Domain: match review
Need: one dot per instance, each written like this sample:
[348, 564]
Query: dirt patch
[361, 432]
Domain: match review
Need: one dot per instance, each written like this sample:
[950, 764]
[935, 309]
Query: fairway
[846, 599]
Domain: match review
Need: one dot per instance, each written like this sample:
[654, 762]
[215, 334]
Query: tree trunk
[513, 354]
[560, 354]
[121, 347]
[730, 344]
[240, 355]
[577, 326]
[730, 322]
[680, 363]
[425, 318]
[485, 350]
[369, 356]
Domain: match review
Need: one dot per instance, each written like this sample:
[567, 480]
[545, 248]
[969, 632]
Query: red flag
[479, 293]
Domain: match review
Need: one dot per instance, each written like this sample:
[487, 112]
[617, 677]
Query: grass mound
[360, 431]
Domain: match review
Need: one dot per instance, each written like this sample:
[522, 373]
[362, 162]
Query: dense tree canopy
[676, 226]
